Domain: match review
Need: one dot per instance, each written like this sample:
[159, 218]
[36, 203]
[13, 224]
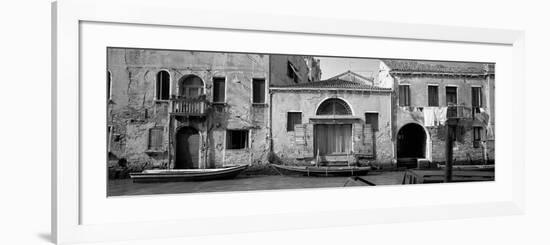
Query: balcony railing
[190, 106]
[459, 112]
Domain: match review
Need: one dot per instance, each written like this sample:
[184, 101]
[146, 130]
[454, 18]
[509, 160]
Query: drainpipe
[270, 121]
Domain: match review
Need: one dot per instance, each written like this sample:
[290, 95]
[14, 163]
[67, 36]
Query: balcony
[459, 112]
[189, 107]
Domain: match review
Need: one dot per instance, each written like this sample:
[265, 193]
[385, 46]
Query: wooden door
[187, 148]
[332, 139]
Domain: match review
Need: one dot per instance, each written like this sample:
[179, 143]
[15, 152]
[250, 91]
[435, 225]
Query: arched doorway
[187, 148]
[190, 86]
[411, 144]
[332, 137]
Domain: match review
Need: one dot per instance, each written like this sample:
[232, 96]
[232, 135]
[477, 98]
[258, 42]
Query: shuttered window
[236, 139]
[219, 90]
[155, 138]
[293, 118]
[258, 91]
[450, 95]
[404, 95]
[371, 118]
[476, 97]
[433, 95]
[163, 85]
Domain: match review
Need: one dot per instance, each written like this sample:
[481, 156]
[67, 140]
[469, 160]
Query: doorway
[411, 144]
[187, 148]
[332, 139]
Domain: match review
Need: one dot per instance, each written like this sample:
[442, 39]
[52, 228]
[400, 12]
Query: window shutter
[155, 138]
[368, 139]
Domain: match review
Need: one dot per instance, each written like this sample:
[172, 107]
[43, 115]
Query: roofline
[349, 71]
[450, 74]
[330, 89]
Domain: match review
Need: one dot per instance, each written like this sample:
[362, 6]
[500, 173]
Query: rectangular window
[219, 90]
[404, 95]
[109, 137]
[372, 119]
[258, 91]
[476, 97]
[450, 95]
[477, 136]
[293, 118]
[155, 138]
[433, 95]
[109, 86]
[236, 139]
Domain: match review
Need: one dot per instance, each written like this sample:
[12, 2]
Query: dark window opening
[163, 85]
[155, 138]
[237, 139]
[433, 95]
[109, 85]
[219, 90]
[477, 101]
[109, 137]
[293, 118]
[258, 91]
[477, 136]
[372, 119]
[450, 95]
[404, 95]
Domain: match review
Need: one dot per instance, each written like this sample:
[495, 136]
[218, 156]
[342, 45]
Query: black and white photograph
[190, 121]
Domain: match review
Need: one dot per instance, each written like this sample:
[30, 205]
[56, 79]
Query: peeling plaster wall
[463, 150]
[284, 143]
[133, 109]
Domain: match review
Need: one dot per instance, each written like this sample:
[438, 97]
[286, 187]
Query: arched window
[334, 107]
[163, 85]
[191, 86]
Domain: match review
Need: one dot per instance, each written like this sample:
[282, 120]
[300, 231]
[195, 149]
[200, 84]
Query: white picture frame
[68, 196]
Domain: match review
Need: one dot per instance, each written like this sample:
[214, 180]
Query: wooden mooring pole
[449, 142]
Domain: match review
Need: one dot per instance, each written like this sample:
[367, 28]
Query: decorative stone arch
[414, 129]
[191, 85]
[334, 106]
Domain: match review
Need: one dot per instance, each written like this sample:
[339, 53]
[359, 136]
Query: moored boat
[325, 170]
[165, 175]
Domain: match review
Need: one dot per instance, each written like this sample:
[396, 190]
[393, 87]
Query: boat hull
[325, 171]
[187, 174]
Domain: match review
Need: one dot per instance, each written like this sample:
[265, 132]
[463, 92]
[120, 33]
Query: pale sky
[331, 66]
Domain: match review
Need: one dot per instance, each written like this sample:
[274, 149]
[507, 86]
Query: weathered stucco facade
[415, 114]
[137, 107]
[297, 145]
[187, 109]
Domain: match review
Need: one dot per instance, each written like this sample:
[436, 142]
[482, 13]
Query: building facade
[426, 95]
[327, 122]
[188, 109]
[182, 109]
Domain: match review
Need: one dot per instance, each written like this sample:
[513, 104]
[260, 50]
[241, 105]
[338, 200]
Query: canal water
[122, 187]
